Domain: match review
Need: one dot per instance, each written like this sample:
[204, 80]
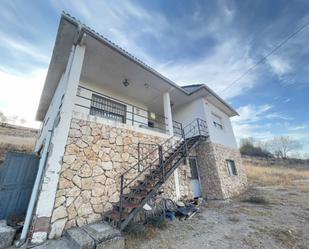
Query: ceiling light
[126, 82]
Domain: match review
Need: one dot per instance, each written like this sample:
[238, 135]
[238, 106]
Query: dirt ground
[265, 217]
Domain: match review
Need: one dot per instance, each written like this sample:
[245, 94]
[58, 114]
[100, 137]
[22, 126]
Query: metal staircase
[141, 182]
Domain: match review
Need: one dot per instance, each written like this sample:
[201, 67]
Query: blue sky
[211, 42]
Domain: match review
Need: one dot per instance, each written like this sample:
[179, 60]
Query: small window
[231, 167]
[217, 121]
[106, 108]
[150, 124]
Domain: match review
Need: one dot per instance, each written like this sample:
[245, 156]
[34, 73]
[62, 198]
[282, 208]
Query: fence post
[138, 157]
[132, 115]
[121, 199]
[184, 140]
[161, 161]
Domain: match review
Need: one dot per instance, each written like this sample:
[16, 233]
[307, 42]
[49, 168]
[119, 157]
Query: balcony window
[106, 108]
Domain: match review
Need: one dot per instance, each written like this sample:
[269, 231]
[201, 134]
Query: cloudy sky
[211, 42]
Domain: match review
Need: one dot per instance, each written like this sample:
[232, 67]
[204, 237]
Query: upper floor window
[217, 121]
[231, 167]
[107, 108]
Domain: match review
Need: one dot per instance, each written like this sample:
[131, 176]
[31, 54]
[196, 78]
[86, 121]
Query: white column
[169, 121]
[70, 83]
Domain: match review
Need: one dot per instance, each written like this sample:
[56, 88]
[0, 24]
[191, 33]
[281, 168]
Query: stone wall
[215, 179]
[96, 155]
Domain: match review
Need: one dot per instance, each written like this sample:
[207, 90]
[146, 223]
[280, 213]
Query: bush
[251, 150]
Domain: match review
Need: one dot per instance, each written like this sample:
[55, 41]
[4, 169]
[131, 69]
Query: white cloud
[279, 66]
[256, 121]
[20, 94]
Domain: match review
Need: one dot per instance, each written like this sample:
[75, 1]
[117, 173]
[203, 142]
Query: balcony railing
[101, 105]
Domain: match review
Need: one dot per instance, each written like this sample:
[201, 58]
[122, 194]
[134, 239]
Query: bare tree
[282, 145]
[3, 118]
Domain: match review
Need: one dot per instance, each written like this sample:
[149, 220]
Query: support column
[169, 121]
[46, 199]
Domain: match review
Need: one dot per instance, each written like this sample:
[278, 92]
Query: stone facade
[215, 180]
[96, 155]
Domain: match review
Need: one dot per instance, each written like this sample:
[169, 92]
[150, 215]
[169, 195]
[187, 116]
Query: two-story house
[115, 131]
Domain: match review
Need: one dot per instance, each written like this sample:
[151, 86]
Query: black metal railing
[109, 107]
[158, 156]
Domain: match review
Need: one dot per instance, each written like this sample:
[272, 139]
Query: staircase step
[126, 205]
[114, 215]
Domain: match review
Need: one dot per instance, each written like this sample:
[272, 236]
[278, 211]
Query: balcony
[95, 103]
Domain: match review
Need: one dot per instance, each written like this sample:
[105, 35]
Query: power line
[266, 56]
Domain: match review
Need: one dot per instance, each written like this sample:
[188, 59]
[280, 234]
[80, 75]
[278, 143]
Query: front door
[194, 181]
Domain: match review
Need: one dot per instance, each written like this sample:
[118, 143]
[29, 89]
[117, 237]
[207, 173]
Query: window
[217, 121]
[106, 108]
[231, 167]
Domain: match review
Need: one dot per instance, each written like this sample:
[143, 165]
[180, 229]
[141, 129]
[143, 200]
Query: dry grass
[275, 175]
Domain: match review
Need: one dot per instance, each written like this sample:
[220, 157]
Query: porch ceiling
[105, 66]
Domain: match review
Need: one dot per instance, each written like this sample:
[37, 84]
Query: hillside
[16, 138]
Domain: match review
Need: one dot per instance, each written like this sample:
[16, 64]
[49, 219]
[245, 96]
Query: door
[195, 181]
[17, 177]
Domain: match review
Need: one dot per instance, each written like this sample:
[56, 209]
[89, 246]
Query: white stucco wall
[186, 114]
[202, 108]
[226, 135]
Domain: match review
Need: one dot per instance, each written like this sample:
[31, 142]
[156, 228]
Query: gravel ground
[282, 221]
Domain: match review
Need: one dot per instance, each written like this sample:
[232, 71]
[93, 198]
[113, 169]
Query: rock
[71, 149]
[85, 209]
[7, 235]
[114, 198]
[115, 243]
[98, 190]
[64, 183]
[77, 181]
[116, 158]
[87, 139]
[74, 133]
[104, 235]
[125, 156]
[87, 183]
[73, 192]
[86, 130]
[98, 208]
[69, 159]
[107, 165]
[90, 154]
[97, 171]
[68, 174]
[100, 179]
[81, 144]
[59, 213]
[79, 238]
[59, 200]
[105, 157]
[119, 141]
[85, 171]
[71, 212]
[57, 228]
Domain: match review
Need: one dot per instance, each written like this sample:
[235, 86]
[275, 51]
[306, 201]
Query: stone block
[115, 243]
[79, 239]
[101, 231]
[7, 234]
